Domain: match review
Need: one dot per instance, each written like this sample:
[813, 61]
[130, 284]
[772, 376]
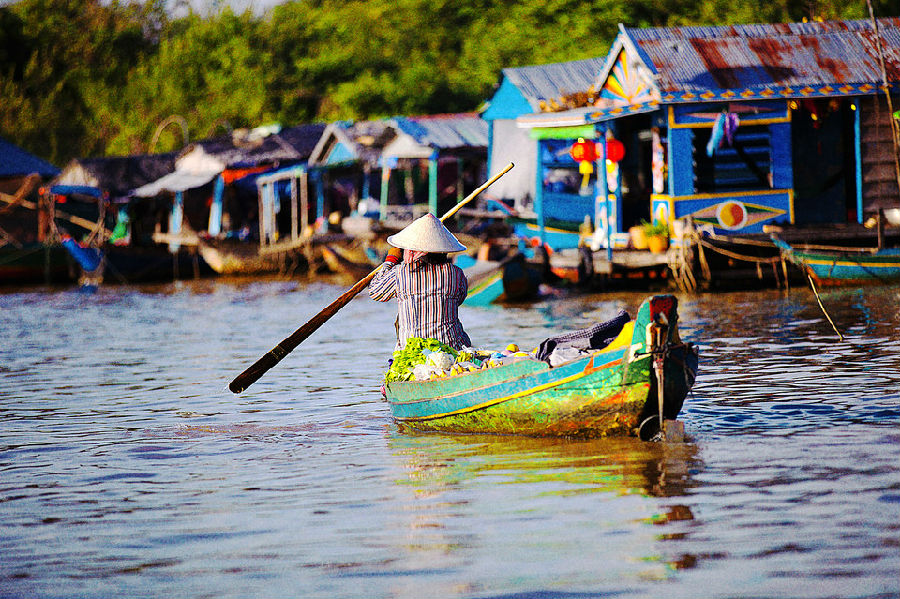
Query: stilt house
[739, 126]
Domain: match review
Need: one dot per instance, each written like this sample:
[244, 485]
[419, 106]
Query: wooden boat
[343, 260]
[843, 266]
[233, 257]
[35, 262]
[511, 279]
[614, 390]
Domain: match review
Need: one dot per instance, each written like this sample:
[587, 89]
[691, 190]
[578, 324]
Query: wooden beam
[17, 198]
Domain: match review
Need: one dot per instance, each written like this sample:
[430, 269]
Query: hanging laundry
[715, 138]
[731, 125]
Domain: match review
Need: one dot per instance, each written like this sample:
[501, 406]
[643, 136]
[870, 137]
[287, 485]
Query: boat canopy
[175, 181]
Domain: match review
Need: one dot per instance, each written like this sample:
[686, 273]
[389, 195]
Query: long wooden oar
[275, 355]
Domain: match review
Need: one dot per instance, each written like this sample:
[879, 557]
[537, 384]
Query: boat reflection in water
[567, 505]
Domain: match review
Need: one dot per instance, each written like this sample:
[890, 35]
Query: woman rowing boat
[428, 287]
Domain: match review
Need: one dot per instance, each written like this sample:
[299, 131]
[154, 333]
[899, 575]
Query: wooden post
[879, 221]
[294, 215]
[214, 227]
[319, 180]
[857, 155]
[263, 216]
[432, 184]
[539, 193]
[304, 202]
[459, 180]
[175, 219]
[385, 179]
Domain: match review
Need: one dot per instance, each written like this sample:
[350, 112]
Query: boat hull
[511, 280]
[610, 392]
[35, 263]
[853, 270]
[846, 268]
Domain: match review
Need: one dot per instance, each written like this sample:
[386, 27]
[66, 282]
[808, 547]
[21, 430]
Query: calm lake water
[128, 469]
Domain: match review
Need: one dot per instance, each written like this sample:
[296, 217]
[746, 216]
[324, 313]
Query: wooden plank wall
[879, 179]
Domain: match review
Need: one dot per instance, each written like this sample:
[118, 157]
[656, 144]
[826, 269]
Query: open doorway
[823, 161]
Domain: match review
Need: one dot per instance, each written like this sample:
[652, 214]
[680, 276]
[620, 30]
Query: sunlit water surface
[128, 469]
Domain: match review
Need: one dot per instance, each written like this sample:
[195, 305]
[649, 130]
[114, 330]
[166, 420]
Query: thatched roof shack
[206, 167]
[115, 176]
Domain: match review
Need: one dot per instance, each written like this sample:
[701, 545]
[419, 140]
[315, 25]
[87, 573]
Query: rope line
[736, 256]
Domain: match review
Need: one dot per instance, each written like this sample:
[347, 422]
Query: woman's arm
[384, 285]
[462, 284]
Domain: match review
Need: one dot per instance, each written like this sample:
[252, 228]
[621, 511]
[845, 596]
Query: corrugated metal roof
[16, 162]
[446, 131]
[290, 144]
[549, 81]
[768, 56]
[117, 175]
[362, 141]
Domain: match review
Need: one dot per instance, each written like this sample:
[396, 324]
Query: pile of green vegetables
[416, 352]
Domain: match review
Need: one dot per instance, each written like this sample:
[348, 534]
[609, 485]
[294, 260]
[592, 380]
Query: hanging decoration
[584, 152]
[722, 130]
[658, 165]
[615, 150]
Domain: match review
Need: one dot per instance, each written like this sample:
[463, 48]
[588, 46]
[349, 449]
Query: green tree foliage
[98, 77]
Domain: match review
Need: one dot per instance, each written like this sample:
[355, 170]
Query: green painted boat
[844, 266]
[613, 390]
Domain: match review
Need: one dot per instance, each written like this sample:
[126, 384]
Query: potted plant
[638, 239]
[657, 235]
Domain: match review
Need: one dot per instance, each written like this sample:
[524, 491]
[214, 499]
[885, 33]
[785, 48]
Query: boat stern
[670, 363]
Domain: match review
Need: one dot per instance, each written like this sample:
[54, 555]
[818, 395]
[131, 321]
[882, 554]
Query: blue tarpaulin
[88, 258]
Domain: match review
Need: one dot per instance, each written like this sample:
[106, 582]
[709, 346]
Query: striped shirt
[428, 297]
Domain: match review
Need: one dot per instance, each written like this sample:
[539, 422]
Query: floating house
[110, 180]
[208, 166]
[21, 174]
[440, 158]
[212, 192]
[397, 169]
[527, 90]
[346, 166]
[23, 225]
[736, 127]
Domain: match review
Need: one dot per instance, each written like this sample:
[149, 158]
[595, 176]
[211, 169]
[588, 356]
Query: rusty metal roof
[783, 58]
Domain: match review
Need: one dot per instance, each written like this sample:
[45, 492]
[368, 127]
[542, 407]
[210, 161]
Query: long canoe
[610, 391]
[844, 267]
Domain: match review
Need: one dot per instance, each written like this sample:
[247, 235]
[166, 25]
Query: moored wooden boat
[511, 279]
[341, 260]
[613, 390]
[35, 262]
[843, 266]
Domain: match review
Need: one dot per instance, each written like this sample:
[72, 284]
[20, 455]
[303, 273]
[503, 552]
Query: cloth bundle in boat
[596, 337]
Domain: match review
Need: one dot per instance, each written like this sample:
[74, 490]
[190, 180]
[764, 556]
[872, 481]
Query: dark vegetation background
[83, 78]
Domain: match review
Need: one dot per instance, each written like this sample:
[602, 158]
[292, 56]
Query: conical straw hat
[426, 234]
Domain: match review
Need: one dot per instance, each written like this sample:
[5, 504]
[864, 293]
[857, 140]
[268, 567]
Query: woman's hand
[394, 255]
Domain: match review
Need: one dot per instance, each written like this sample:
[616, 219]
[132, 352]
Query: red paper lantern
[583, 151]
[615, 150]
